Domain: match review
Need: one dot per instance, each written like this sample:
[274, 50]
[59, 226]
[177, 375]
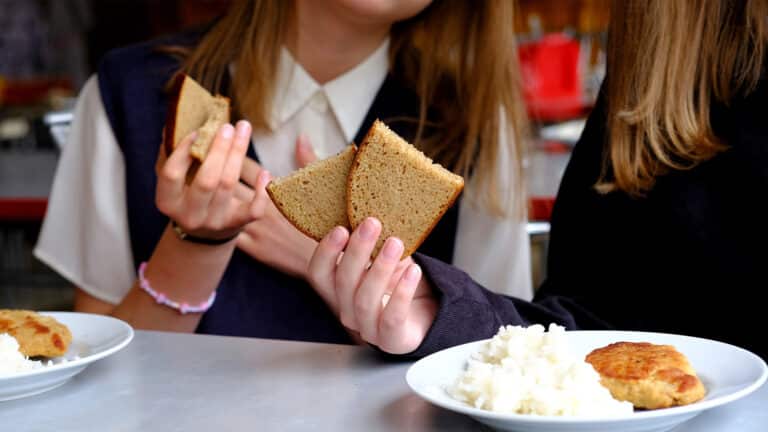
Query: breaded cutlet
[647, 375]
[38, 335]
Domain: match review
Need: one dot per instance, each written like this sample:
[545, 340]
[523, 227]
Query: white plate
[93, 337]
[728, 373]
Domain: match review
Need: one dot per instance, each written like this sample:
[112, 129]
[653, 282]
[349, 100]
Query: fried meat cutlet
[650, 376]
[38, 335]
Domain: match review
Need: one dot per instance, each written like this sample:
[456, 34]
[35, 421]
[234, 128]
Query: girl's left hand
[387, 302]
[271, 239]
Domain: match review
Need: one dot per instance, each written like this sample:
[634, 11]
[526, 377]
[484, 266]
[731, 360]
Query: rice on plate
[12, 361]
[527, 370]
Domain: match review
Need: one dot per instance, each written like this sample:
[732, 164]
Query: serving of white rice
[527, 370]
[12, 361]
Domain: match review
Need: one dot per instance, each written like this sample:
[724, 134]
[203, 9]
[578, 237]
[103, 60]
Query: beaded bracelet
[160, 298]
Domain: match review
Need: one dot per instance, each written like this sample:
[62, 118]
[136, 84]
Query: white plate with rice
[93, 337]
[728, 373]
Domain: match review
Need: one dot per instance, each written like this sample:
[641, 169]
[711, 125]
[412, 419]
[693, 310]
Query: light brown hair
[668, 61]
[458, 56]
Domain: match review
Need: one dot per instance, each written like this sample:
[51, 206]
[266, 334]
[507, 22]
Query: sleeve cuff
[464, 313]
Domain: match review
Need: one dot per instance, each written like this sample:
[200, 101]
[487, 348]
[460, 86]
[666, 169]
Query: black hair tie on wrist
[183, 235]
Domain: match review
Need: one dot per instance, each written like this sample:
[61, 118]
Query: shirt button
[319, 102]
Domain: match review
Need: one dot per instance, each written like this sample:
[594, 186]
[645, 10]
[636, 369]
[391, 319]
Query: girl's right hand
[387, 301]
[214, 204]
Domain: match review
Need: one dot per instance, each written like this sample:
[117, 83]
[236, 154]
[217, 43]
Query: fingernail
[243, 128]
[338, 235]
[393, 248]
[368, 229]
[413, 274]
[227, 131]
[264, 177]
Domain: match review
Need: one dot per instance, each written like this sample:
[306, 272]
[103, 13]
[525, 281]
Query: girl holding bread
[659, 224]
[307, 77]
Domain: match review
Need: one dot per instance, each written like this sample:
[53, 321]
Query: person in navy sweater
[307, 77]
[660, 220]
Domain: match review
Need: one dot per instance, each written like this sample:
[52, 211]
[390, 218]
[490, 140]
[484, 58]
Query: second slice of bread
[314, 198]
[399, 185]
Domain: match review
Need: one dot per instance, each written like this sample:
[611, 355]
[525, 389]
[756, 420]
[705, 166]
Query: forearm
[184, 272]
[469, 312]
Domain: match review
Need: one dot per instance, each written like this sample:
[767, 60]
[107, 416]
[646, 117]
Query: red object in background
[31, 91]
[540, 208]
[551, 81]
[22, 209]
[555, 147]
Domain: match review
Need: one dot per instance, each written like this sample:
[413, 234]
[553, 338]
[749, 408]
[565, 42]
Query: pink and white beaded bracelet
[161, 298]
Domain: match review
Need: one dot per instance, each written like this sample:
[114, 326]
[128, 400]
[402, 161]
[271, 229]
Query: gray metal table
[179, 382]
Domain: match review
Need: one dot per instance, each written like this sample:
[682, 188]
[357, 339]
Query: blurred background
[48, 48]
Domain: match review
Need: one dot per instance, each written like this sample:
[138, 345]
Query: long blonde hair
[668, 61]
[458, 56]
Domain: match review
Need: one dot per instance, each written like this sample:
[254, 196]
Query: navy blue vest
[253, 299]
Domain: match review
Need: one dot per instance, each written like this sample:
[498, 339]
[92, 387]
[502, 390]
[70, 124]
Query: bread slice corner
[193, 108]
[392, 180]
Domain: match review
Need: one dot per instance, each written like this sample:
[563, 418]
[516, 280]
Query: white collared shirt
[87, 241]
[329, 114]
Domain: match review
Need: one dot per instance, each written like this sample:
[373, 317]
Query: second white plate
[728, 373]
[93, 337]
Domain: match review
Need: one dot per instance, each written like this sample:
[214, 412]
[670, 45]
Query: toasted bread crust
[355, 165]
[170, 116]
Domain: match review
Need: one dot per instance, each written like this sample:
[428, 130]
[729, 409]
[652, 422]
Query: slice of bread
[314, 198]
[192, 108]
[399, 185]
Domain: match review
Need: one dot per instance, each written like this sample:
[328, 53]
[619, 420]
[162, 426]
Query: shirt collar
[349, 95]
[293, 89]
[352, 93]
